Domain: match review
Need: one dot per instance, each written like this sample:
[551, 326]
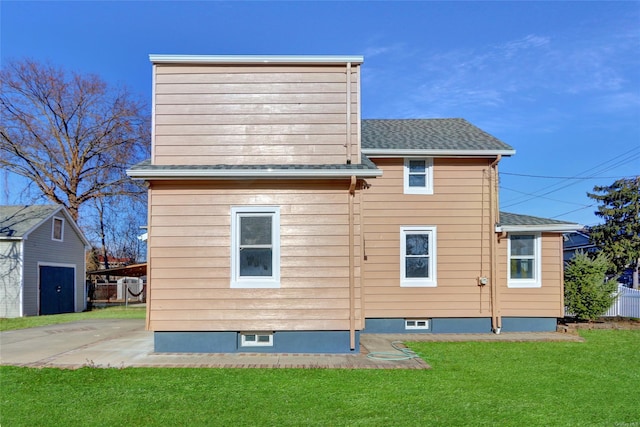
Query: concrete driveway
[98, 342]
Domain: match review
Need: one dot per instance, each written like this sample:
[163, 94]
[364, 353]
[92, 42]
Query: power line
[598, 169]
[575, 210]
[563, 177]
[542, 197]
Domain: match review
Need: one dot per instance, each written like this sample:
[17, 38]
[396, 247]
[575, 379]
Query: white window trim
[536, 282]
[415, 325]
[428, 188]
[412, 281]
[53, 229]
[256, 343]
[255, 282]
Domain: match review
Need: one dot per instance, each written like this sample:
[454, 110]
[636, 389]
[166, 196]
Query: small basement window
[416, 324]
[256, 339]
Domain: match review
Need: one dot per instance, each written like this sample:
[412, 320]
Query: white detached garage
[42, 261]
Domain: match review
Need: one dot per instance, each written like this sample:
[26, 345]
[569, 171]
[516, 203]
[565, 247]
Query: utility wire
[542, 197]
[575, 210]
[562, 177]
[594, 172]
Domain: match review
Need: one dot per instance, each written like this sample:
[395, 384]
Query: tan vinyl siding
[254, 114]
[459, 208]
[189, 281]
[545, 301]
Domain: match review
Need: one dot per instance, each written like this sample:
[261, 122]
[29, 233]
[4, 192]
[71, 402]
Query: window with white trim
[416, 324]
[524, 266]
[418, 176]
[255, 247]
[418, 256]
[256, 339]
[57, 229]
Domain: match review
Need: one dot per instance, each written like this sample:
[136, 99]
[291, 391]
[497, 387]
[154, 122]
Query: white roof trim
[250, 173]
[549, 228]
[392, 153]
[254, 59]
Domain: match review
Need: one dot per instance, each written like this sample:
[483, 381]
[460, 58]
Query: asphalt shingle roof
[365, 165]
[507, 218]
[427, 134]
[17, 220]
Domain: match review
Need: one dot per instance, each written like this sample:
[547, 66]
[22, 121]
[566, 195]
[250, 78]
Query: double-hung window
[418, 256]
[418, 176]
[524, 268]
[255, 247]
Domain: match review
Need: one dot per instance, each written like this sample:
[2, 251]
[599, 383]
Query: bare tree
[70, 134]
[116, 226]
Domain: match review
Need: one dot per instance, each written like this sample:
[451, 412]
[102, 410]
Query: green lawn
[498, 384]
[120, 312]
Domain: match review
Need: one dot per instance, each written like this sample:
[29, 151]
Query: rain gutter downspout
[148, 298]
[352, 291]
[494, 214]
[348, 141]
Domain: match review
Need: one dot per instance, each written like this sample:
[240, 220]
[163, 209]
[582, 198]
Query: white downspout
[496, 319]
[352, 291]
[348, 141]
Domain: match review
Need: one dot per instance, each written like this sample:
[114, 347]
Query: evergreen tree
[587, 292]
[619, 236]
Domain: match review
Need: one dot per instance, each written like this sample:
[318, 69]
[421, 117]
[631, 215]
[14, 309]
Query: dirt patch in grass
[569, 324]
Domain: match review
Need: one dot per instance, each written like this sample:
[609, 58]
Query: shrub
[587, 292]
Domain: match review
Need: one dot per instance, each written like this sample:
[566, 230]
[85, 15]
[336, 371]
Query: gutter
[396, 153]
[190, 174]
[255, 59]
[548, 228]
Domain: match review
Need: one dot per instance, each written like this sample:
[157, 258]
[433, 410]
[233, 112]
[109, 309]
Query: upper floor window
[57, 229]
[418, 256]
[524, 268]
[255, 247]
[418, 176]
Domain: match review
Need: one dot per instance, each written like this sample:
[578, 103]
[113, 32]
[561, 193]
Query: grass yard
[119, 312]
[594, 383]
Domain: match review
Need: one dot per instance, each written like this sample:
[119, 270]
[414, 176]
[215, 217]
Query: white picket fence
[627, 304]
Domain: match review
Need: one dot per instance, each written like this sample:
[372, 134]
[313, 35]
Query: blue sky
[559, 81]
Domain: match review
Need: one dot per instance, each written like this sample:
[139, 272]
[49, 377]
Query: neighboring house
[42, 261]
[581, 241]
[575, 242]
[281, 221]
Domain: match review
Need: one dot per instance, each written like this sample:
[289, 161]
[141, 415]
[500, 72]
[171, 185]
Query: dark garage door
[56, 290]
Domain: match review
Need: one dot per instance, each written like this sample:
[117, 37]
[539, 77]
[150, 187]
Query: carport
[134, 270]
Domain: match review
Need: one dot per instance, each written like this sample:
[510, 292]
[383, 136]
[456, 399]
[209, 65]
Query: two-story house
[281, 221]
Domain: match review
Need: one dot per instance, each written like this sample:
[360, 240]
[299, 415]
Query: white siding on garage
[10, 278]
